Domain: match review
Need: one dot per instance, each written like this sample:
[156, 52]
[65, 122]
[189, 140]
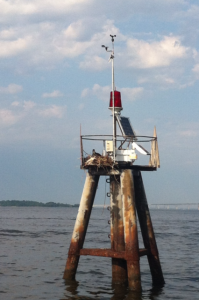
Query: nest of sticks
[99, 161]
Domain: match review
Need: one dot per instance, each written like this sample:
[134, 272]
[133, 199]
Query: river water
[35, 242]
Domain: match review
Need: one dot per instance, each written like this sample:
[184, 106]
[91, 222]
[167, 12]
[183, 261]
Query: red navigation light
[117, 101]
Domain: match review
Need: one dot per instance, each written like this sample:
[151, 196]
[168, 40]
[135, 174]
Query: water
[35, 241]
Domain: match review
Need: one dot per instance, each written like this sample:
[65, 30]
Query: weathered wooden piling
[130, 231]
[119, 267]
[147, 230]
[81, 225]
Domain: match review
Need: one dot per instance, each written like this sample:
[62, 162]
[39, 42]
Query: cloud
[85, 37]
[25, 110]
[28, 123]
[15, 103]
[143, 54]
[28, 105]
[54, 94]
[103, 92]
[52, 111]
[121, 10]
[11, 89]
[23, 8]
[43, 44]
[95, 63]
[196, 68]
[8, 117]
[14, 47]
[131, 94]
[38, 35]
[184, 133]
[189, 133]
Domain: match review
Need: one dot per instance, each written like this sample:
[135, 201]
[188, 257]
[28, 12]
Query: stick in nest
[99, 161]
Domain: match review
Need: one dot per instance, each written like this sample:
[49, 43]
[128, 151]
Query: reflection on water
[119, 292]
[35, 241]
[71, 288]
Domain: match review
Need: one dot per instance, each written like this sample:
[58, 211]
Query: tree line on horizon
[34, 203]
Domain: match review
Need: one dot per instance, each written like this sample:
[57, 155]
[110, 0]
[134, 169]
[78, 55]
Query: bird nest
[98, 161]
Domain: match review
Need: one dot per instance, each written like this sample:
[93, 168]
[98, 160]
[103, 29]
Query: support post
[81, 225]
[130, 231]
[147, 230]
[119, 267]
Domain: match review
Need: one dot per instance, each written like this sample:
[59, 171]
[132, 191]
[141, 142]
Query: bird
[95, 153]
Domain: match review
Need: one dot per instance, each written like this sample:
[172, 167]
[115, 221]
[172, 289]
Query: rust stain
[119, 268]
[130, 228]
[111, 253]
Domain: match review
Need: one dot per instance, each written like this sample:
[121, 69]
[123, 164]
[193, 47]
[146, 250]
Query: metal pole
[113, 93]
[130, 231]
[147, 230]
[119, 267]
[113, 101]
[81, 225]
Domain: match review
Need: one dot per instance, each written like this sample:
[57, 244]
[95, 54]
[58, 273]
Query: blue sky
[54, 76]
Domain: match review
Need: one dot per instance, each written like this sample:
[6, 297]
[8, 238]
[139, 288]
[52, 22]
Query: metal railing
[120, 142]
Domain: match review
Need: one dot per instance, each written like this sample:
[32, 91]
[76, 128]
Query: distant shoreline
[29, 203]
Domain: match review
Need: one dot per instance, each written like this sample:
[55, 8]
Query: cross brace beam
[110, 253]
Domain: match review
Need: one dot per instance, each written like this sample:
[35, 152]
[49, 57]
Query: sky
[54, 76]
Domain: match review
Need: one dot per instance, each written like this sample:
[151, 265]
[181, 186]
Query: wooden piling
[130, 231]
[147, 230]
[81, 225]
[119, 266]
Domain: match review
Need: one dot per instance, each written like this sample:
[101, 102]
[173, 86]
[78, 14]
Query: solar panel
[125, 126]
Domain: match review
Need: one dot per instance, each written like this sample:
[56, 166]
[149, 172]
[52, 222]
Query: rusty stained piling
[119, 267]
[130, 231]
[81, 225]
[147, 230]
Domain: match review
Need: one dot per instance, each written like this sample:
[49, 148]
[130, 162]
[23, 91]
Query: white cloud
[11, 89]
[14, 47]
[15, 103]
[54, 94]
[28, 105]
[34, 124]
[25, 110]
[85, 93]
[131, 94]
[75, 31]
[196, 68]
[95, 63]
[46, 43]
[24, 8]
[52, 111]
[86, 37]
[8, 117]
[143, 54]
[103, 92]
[189, 133]
[181, 134]
[38, 35]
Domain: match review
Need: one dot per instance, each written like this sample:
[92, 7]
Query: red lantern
[117, 101]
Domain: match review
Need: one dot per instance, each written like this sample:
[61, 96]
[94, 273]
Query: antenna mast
[113, 93]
